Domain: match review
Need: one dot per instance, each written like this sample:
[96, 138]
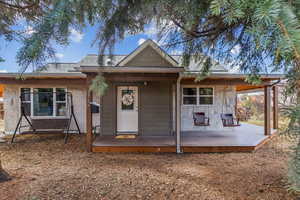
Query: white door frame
[127, 119]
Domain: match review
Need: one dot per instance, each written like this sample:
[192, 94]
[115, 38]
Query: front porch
[245, 138]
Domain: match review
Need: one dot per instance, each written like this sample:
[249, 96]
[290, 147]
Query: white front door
[127, 110]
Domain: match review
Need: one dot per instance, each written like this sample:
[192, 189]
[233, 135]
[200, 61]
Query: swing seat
[200, 119]
[50, 124]
[229, 121]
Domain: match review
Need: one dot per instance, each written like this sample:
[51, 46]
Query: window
[206, 96]
[44, 102]
[189, 96]
[26, 100]
[197, 96]
[61, 104]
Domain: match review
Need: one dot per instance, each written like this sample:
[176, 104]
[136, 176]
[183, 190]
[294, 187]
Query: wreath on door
[128, 99]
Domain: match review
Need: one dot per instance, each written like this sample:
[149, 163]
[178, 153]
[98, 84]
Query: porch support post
[178, 115]
[89, 120]
[275, 107]
[267, 110]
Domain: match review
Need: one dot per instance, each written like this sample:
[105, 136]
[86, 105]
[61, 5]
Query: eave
[88, 69]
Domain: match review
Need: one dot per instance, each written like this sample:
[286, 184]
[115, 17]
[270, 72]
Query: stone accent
[224, 102]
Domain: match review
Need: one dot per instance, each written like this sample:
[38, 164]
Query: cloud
[29, 30]
[3, 70]
[76, 36]
[59, 55]
[141, 41]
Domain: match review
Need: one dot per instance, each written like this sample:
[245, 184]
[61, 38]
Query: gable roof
[148, 44]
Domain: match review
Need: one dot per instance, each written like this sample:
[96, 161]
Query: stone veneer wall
[211, 111]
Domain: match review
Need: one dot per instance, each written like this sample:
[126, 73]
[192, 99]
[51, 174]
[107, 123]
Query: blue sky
[80, 45]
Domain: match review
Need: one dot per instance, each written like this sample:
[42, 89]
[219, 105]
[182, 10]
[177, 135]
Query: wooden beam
[135, 77]
[240, 88]
[135, 149]
[89, 119]
[275, 107]
[236, 105]
[223, 81]
[1, 90]
[267, 110]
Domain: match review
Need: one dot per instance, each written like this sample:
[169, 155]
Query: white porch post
[178, 115]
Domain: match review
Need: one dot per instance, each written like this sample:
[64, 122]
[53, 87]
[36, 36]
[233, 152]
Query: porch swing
[200, 119]
[228, 119]
[40, 125]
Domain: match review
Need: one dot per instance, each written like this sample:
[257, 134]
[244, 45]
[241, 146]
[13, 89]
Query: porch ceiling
[1, 90]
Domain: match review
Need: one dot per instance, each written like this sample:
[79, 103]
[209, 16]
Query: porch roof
[124, 69]
[227, 75]
[38, 75]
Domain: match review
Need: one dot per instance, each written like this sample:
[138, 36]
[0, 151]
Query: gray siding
[148, 57]
[155, 109]
[108, 111]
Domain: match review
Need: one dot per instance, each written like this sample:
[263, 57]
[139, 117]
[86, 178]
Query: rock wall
[224, 102]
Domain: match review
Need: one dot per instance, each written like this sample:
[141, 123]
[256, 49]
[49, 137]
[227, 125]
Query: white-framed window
[197, 95]
[44, 102]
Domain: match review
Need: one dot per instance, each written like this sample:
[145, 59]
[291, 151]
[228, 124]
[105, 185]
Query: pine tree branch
[16, 6]
[287, 35]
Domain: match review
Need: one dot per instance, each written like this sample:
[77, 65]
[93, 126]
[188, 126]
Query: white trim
[54, 103]
[148, 43]
[132, 116]
[197, 95]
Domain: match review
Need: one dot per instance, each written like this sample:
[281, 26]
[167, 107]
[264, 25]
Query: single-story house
[149, 95]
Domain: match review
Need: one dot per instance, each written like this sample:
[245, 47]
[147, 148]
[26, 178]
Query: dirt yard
[45, 168]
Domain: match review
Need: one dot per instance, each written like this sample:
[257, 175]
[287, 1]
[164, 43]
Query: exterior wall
[96, 116]
[148, 57]
[108, 111]
[12, 105]
[224, 102]
[155, 109]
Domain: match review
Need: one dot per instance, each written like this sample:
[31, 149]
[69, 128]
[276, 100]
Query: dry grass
[43, 167]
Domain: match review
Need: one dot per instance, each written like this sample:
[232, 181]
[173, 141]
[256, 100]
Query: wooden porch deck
[245, 138]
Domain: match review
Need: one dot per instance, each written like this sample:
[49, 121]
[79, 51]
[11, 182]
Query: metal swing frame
[228, 120]
[65, 126]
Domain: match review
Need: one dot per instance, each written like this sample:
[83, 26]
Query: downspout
[178, 114]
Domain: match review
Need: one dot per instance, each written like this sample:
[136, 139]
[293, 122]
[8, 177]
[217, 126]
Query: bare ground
[45, 168]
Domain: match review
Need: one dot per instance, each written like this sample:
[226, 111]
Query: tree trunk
[3, 174]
